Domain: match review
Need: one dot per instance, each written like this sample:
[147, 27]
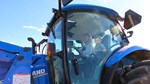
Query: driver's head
[86, 38]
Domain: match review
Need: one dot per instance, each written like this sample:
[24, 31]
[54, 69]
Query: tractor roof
[86, 7]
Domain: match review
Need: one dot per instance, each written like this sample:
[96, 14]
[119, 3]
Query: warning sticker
[21, 79]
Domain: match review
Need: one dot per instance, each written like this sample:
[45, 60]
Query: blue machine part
[6, 60]
[16, 63]
[39, 70]
[117, 56]
[10, 47]
[86, 7]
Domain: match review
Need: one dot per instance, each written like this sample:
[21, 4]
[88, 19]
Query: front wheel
[139, 73]
[136, 73]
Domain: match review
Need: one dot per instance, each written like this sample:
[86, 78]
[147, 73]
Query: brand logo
[38, 73]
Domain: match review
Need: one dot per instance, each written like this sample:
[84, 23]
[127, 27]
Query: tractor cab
[81, 39]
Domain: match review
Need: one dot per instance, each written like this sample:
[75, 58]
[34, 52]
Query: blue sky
[20, 19]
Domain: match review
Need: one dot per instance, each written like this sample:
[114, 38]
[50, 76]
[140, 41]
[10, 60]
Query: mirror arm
[130, 34]
[60, 8]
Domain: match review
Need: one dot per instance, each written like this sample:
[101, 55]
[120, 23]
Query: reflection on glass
[57, 61]
[90, 40]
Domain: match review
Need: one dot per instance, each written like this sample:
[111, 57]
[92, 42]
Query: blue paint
[117, 56]
[19, 67]
[40, 70]
[6, 60]
[21, 64]
[86, 7]
[10, 47]
[10, 63]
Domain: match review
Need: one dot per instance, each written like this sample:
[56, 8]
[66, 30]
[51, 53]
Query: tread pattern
[140, 73]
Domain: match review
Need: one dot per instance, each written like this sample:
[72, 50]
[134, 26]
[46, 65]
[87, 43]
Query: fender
[117, 56]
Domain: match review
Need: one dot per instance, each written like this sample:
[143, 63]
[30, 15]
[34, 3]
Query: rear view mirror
[65, 2]
[131, 19]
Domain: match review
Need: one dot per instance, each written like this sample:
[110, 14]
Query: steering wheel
[82, 59]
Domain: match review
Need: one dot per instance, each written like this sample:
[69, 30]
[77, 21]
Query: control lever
[76, 67]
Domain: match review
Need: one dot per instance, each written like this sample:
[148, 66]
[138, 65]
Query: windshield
[91, 38]
[84, 25]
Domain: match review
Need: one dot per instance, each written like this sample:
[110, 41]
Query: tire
[139, 74]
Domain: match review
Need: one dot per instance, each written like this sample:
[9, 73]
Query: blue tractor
[69, 60]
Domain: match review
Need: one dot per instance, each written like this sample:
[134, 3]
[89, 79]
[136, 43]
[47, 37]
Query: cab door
[55, 37]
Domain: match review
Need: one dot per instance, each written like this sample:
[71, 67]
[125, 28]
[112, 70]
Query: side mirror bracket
[130, 34]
